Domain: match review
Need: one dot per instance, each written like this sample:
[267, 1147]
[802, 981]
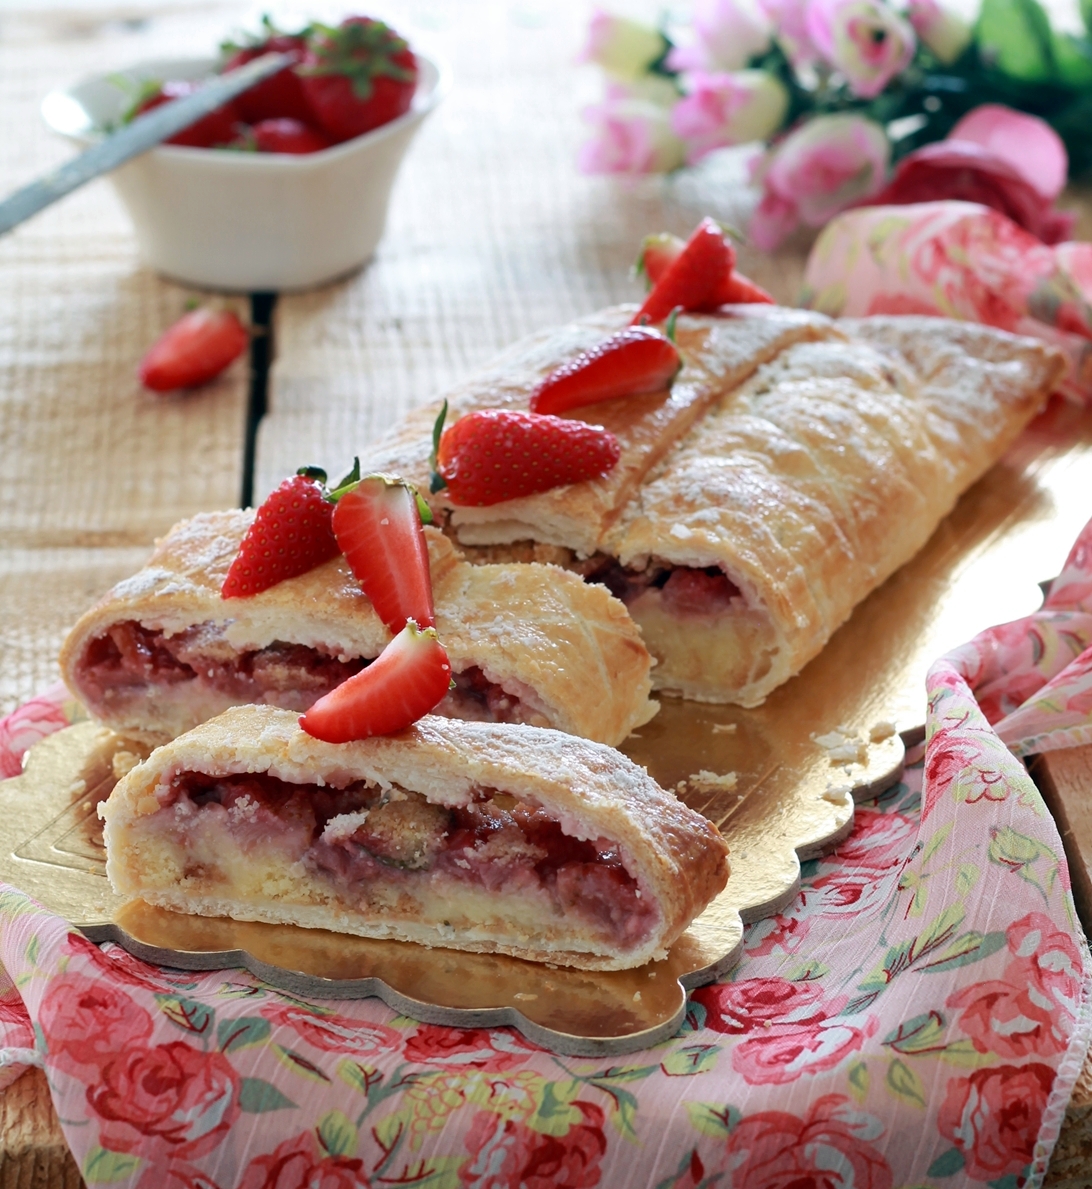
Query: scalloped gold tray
[789, 800]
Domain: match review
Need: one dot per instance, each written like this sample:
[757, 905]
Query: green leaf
[1074, 58]
[904, 1083]
[965, 1055]
[240, 991]
[935, 843]
[187, 1014]
[690, 1060]
[858, 1080]
[625, 1109]
[922, 1034]
[626, 1073]
[1015, 36]
[241, 1034]
[256, 1097]
[103, 1166]
[360, 1077]
[337, 1135]
[947, 1164]
[714, 1121]
[966, 878]
[1086, 14]
[967, 948]
[297, 1063]
[32, 950]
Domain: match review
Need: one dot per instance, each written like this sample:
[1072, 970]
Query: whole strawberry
[357, 76]
[194, 350]
[219, 127]
[291, 533]
[493, 455]
[280, 97]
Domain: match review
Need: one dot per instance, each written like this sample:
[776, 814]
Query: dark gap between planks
[261, 356]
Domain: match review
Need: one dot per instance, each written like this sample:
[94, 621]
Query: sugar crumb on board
[708, 782]
[724, 728]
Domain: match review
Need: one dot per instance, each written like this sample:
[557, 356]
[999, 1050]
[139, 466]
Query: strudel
[465, 835]
[817, 459]
[162, 651]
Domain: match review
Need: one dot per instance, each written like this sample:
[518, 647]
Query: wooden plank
[89, 456]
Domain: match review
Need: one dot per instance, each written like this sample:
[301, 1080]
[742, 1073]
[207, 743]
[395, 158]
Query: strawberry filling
[130, 660]
[686, 589]
[355, 836]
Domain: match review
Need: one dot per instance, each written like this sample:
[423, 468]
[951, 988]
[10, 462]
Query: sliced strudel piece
[719, 352]
[163, 651]
[800, 492]
[471, 836]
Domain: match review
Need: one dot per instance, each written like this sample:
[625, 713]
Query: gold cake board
[773, 790]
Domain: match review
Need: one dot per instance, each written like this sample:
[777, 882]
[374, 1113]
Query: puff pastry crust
[813, 482]
[586, 862]
[718, 352]
[527, 643]
[805, 462]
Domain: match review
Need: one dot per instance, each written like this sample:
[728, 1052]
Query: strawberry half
[637, 359]
[493, 455]
[358, 76]
[741, 290]
[377, 524]
[692, 280]
[196, 349]
[657, 253]
[285, 136]
[290, 535]
[410, 677]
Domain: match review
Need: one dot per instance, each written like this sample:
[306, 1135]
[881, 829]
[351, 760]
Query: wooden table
[492, 234]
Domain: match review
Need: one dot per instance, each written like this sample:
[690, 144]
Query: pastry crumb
[710, 782]
[879, 731]
[123, 763]
[843, 745]
[724, 728]
[524, 995]
[636, 996]
[837, 793]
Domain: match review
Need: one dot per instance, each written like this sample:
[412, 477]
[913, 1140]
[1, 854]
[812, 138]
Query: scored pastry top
[570, 645]
[719, 352]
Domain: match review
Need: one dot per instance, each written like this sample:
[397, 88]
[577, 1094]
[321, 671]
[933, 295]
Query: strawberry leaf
[437, 482]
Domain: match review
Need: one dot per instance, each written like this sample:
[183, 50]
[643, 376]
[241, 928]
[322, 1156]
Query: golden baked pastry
[718, 354]
[471, 836]
[162, 651]
[802, 468]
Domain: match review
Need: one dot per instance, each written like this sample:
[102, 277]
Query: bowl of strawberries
[287, 186]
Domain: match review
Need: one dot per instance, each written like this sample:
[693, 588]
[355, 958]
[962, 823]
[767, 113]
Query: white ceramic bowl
[246, 222]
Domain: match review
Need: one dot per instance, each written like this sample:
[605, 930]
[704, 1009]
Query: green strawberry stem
[437, 482]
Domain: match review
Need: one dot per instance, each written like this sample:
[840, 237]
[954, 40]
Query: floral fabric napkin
[917, 1017]
[958, 260]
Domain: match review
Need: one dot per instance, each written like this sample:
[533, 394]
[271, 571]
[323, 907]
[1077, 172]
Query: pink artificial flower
[864, 39]
[632, 136]
[822, 167]
[967, 172]
[945, 33]
[790, 20]
[624, 48]
[1027, 143]
[728, 109]
[728, 33]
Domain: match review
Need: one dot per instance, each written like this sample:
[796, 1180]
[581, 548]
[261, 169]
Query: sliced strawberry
[378, 527]
[410, 677]
[741, 290]
[358, 76]
[693, 280]
[657, 253]
[493, 455]
[194, 350]
[637, 359]
[286, 136]
[290, 534]
[280, 96]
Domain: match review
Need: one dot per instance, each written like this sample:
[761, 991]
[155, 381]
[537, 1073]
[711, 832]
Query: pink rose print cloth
[958, 260]
[917, 1017]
